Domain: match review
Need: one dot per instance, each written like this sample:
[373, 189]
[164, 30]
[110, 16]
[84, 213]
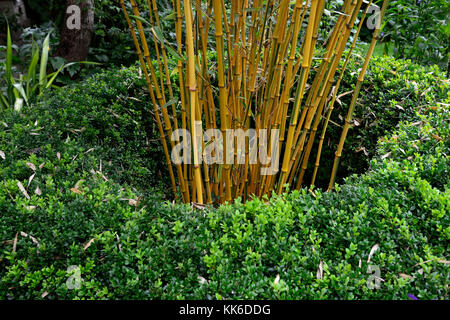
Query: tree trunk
[77, 30]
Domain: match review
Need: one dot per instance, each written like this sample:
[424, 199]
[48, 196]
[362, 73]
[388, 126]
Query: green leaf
[171, 16]
[9, 78]
[53, 75]
[31, 76]
[4, 101]
[140, 19]
[173, 53]
[20, 89]
[44, 61]
[18, 104]
[170, 103]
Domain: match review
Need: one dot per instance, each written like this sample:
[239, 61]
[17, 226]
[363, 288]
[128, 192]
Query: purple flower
[412, 297]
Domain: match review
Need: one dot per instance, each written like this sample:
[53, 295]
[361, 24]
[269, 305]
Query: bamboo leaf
[171, 16]
[22, 189]
[4, 101]
[174, 53]
[170, 103]
[140, 19]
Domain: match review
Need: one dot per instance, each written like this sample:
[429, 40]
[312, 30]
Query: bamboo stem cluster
[262, 78]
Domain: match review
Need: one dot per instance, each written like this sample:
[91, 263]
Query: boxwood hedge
[393, 91]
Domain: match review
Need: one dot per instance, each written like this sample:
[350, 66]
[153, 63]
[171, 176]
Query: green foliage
[86, 160]
[107, 113]
[31, 84]
[265, 249]
[420, 147]
[419, 30]
[111, 43]
[393, 91]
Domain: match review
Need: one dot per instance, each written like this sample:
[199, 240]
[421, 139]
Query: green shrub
[393, 91]
[108, 113]
[69, 210]
[157, 250]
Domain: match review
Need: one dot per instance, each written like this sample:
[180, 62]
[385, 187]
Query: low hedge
[61, 208]
[393, 91]
[108, 113]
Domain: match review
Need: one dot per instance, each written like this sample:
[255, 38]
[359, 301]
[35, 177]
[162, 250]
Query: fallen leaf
[198, 205]
[423, 93]
[19, 184]
[118, 240]
[372, 251]
[75, 190]
[15, 242]
[31, 166]
[103, 176]
[88, 244]
[435, 136]
[38, 191]
[277, 279]
[202, 280]
[363, 150]
[2, 155]
[386, 155]
[23, 234]
[319, 274]
[34, 150]
[30, 179]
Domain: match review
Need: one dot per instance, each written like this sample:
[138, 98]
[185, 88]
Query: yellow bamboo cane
[358, 85]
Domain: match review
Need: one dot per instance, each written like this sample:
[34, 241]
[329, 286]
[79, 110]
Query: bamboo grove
[269, 72]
